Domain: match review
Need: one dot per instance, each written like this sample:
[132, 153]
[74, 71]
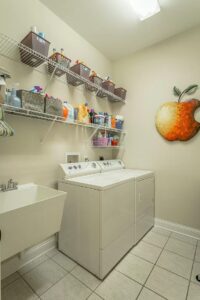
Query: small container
[31, 101]
[108, 85]
[53, 106]
[114, 142]
[99, 119]
[120, 92]
[81, 70]
[100, 142]
[36, 43]
[60, 59]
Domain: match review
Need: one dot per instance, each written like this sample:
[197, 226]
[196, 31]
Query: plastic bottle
[65, 110]
[13, 99]
[70, 117]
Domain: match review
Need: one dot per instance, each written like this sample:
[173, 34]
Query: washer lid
[101, 181]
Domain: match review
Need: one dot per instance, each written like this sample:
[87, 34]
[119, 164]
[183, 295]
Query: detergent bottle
[83, 114]
[70, 108]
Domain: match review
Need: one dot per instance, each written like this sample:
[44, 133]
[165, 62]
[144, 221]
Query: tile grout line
[33, 267]
[10, 282]
[191, 273]
[29, 286]
[154, 267]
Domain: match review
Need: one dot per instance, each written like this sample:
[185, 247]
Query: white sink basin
[28, 215]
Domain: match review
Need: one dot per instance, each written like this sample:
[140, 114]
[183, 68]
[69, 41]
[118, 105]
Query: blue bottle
[13, 99]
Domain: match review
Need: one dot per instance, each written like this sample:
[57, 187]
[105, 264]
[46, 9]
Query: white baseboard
[18, 261]
[189, 231]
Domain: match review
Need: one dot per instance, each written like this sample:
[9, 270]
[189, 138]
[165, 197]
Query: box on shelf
[60, 59]
[53, 106]
[120, 92]
[108, 85]
[100, 142]
[31, 101]
[81, 70]
[36, 43]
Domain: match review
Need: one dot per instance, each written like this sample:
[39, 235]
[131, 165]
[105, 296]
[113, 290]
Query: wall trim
[20, 260]
[189, 231]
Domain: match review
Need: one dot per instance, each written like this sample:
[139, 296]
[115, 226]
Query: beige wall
[149, 77]
[23, 157]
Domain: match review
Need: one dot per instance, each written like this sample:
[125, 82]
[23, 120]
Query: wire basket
[100, 142]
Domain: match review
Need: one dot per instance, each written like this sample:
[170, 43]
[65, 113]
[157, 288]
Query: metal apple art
[175, 120]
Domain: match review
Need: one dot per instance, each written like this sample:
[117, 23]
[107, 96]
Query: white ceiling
[113, 27]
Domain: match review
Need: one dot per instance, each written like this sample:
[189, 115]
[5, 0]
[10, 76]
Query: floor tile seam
[9, 283]
[96, 295]
[155, 292]
[173, 272]
[48, 287]
[33, 267]
[155, 263]
[162, 233]
[62, 266]
[148, 243]
[192, 259]
[173, 237]
[144, 285]
[191, 274]
[133, 254]
[83, 282]
[29, 286]
[184, 242]
[170, 251]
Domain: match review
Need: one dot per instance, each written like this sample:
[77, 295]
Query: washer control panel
[71, 170]
[109, 165]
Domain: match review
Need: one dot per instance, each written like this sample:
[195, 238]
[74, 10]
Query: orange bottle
[113, 122]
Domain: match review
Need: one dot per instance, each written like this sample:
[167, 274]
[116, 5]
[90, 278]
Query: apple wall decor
[175, 120]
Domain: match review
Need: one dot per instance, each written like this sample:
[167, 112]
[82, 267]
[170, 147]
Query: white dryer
[99, 216]
[143, 187]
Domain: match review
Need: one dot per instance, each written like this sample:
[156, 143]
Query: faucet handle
[15, 184]
[3, 187]
[10, 183]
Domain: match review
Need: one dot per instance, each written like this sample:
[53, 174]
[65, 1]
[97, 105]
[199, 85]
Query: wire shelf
[18, 52]
[48, 117]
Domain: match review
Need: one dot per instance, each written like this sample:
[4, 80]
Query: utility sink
[28, 215]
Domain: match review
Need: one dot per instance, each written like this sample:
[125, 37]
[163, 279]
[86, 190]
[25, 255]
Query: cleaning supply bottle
[91, 114]
[70, 116]
[13, 99]
[65, 110]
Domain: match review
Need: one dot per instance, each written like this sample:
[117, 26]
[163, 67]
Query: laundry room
[99, 150]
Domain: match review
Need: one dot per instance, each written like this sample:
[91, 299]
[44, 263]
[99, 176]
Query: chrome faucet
[11, 185]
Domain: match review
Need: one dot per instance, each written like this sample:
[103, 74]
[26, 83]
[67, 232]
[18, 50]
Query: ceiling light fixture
[145, 8]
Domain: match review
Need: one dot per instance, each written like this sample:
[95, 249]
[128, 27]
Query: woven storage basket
[31, 101]
[36, 43]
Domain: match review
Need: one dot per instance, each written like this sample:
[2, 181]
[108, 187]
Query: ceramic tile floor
[162, 266]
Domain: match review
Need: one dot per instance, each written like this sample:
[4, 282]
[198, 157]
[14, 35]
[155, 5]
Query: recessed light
[145, 8]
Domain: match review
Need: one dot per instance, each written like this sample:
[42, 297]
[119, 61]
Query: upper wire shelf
[18, 52]
[48, 117]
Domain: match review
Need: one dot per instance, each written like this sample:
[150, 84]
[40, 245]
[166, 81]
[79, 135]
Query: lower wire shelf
[48, 117]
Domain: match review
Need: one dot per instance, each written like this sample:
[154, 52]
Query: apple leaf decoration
[177, 92]
[191, 89]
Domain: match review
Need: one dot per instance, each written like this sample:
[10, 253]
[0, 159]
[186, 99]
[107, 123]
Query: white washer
[98, 223]
[143, 182]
